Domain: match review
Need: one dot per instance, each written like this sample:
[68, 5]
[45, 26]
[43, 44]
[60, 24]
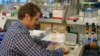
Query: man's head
[29, 14]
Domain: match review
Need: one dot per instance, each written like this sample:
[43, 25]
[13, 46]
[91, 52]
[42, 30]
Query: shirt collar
[22, 26]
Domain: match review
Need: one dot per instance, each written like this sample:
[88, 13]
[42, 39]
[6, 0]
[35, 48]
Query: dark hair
[29, 8]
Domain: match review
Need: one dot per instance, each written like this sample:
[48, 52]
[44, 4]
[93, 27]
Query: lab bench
[75, 50]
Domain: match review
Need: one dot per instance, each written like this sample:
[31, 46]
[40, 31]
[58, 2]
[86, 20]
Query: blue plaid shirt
[18, 42]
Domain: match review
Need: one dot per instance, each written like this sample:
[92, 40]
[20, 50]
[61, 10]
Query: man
[17, 40]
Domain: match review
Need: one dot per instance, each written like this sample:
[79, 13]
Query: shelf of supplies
[75, 23]
[12, 18]
[89, 2]
[51, 20]
[54, 5]
[80, 23]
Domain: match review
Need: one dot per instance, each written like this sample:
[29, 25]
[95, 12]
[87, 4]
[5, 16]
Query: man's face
[34, 21]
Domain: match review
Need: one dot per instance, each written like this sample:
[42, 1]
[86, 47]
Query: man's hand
[55, 46]
[64, 47]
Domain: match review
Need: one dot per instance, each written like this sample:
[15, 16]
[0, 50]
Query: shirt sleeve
[27, 47]
[42, 43]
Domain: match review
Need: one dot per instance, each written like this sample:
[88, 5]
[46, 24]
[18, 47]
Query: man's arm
[25, 45]
[42, 43]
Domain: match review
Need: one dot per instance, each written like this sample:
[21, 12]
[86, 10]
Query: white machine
[75, 49]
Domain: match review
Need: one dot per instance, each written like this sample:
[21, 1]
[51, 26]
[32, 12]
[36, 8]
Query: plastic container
[90, 13]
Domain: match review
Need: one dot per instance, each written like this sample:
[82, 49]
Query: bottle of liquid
[93, 41]
[87, 27]
[86, 40]
[93, 27]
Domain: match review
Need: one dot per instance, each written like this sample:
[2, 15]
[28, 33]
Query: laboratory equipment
[90, 13]
[71, 39]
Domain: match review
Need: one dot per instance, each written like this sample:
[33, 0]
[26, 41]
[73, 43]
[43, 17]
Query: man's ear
[27, 16]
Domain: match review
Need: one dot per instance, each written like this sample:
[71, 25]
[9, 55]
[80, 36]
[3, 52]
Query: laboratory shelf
[75, 23]
[89, 2]
[51, 20]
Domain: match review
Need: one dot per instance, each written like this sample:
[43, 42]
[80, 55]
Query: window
[12, 1]
[0, 1]
[23, 1]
